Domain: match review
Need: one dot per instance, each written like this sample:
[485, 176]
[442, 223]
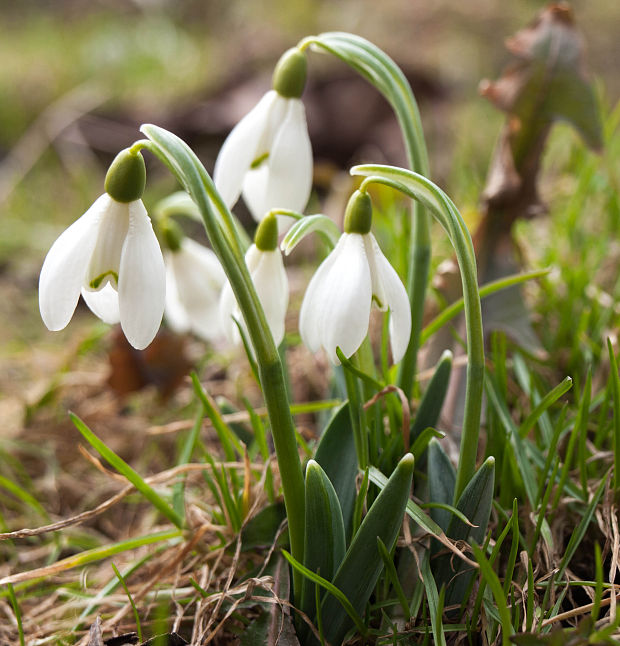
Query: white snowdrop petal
[199, 278]
[378, 292]
[65, 266]
[397, 302]
[347, 300]
[205, 263]
[240, 149]
[228, 312]
[103, 303]
[271, 283]
[174, 311]
[142, 280]
[254, 191]
[312, 307]
[106, 256]
[290, 162]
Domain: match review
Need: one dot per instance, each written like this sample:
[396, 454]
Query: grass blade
[122, 467]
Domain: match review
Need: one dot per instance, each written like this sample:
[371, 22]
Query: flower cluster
[112, 257]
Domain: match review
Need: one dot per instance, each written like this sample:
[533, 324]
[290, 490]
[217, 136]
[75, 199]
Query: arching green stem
[222, 233]
[382, 72]
[443, 209]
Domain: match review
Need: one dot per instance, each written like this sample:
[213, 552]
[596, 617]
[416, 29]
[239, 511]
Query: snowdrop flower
[267, 156]
[336, 308]
[264, 262]
[111, 256]
[194, 280]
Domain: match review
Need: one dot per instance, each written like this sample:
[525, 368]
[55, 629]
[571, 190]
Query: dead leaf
[163, 364]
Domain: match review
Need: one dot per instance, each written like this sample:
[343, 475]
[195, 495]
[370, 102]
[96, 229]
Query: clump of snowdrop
[264, 262]
[267, 157]
[194, 281]
[112, 257]
[335, 312]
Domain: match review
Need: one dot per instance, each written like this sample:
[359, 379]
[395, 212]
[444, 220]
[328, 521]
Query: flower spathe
[267, 157]
[194, 280]
[271, 283]
[335, 311]
[111, 256]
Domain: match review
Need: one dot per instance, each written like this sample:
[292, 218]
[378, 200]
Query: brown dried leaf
[548, 82]
[163, 364]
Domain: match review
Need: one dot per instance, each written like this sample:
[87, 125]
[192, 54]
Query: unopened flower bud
[171, 234]
[266, 236]
[126, 177]
[358, 214]
[289, 76]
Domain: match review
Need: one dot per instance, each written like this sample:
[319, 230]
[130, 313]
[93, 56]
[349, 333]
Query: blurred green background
[77, 78]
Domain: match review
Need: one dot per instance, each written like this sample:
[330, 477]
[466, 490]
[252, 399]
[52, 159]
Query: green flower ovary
[95, 283]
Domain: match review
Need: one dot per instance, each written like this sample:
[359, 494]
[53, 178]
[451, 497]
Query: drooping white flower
[267, 157]
[335, 311]
[111, 256]
[194, 280]
[264, 262]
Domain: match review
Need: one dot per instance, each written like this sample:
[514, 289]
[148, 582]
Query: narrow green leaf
[185, 455]
[336, 455]
[512, 558]
[448, 313]
[475, 502]
[580, 531]
[548, 400]
[614, 378]
[362, 564]
[131, 601]
[435, 608]
[331, 588]
[96, 554]
[388, 564]
[441, 479]
[228, 440]
[324, 547]
[423, 439]
[413, 510]
[494, 584]
[122, 467]
[432, 401]
[17, 613]
[583, 418]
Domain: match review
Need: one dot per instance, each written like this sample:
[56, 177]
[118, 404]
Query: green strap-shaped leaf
[336, 455]
[430, 406]
[325, 545]
[475, 502]
[441, 479]
[362, 564]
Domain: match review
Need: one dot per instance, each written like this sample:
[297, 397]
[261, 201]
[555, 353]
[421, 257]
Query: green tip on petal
[266, 236]
[358, 215]
[171, 234]
[126, 177]
[289, 76]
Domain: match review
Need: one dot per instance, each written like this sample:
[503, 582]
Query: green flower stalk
[443, 209]
[383, 73]
[220, 227]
